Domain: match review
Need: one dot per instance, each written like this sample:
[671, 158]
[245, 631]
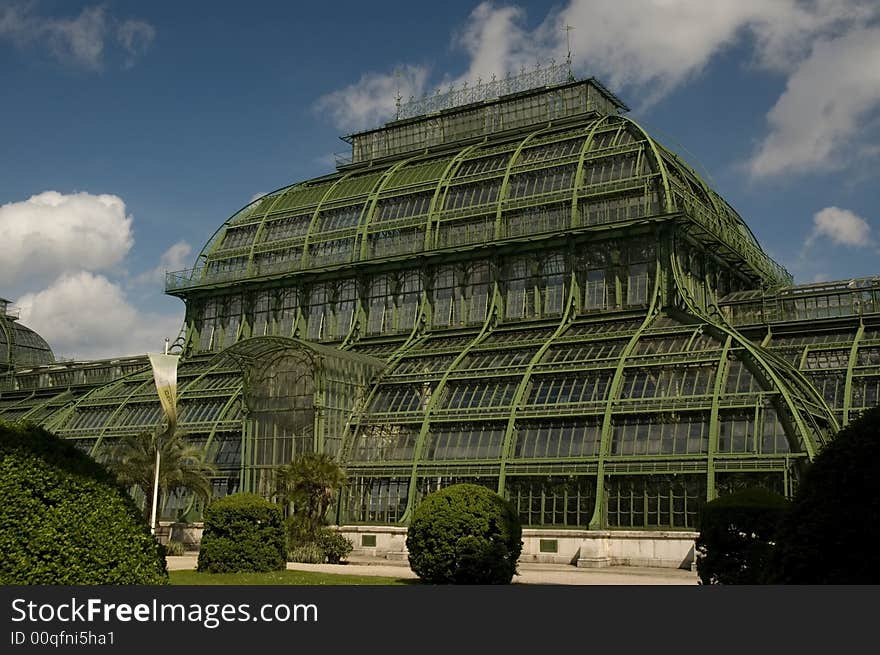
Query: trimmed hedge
[243, 532]
[336, 547]
[737, 536]
[64, 520]
[831, 534]
[464, 534]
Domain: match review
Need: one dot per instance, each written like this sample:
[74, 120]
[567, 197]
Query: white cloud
[650, 47]
[256, 196]
[175, 258]
[55, 245]
[78, 41]
[372, 98]
[841, 227]
[86, 316]
[135, 36]
[52, 233]
[496, 42]
[825, 101]
[787, 30]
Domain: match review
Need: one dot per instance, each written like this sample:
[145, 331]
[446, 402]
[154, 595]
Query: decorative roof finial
[568, 28]
[397, 98]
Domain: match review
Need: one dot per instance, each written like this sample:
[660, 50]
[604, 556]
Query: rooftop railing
[550, 74]
[828, 300]
[731, 235]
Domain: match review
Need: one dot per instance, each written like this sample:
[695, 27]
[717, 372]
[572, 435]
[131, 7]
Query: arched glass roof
[478, 194]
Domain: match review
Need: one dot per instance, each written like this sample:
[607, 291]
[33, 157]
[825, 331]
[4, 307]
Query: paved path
[529, 573]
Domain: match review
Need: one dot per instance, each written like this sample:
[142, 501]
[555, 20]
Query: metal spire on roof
[568, 28]
[397, 98]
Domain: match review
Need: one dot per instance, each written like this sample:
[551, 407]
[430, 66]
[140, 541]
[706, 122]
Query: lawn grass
[302, 578]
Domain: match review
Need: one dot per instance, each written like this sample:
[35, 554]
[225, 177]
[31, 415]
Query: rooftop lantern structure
[515, 285]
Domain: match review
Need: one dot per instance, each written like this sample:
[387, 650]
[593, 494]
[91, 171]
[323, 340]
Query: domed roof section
[588, 169]
[19, 345]
[689, 188]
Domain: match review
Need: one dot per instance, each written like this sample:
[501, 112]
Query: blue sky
[154, 122]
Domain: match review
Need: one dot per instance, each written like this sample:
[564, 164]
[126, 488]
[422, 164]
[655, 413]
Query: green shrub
[175, 548]
[304, 544]
[737, 536]
[334, 545]
[831, 534]
[243, 532]
[310, 482]
[464, 534]
[308, 553]
[64, 520]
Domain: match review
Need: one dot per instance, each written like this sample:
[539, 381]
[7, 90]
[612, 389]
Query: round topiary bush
[737, 536]
[464, 534]
[64, 520]
[831, 534]
[243, 532]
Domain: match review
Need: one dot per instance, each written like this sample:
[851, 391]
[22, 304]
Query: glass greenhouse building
[520, 288]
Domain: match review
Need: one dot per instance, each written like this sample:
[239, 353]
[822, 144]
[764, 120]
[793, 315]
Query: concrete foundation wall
[596, 549]
[189, 533]
[593, 549]
[390, 541]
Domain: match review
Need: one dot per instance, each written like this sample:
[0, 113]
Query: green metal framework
[529, 293]
[19, 345]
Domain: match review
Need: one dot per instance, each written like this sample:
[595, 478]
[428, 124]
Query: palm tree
[133, 459]
[310, 482]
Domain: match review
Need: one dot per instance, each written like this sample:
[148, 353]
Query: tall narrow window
[445, 282]
[637, 284]
[594, 297]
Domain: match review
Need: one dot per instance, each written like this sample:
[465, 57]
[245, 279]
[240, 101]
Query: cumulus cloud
[372, 98]
[56, 247]
[52, 233]
[840, 226]
[175, 258]
[651, 47]
[79, 41]
[825, 101]
[497, 42]
[663, 43]
[86, 316]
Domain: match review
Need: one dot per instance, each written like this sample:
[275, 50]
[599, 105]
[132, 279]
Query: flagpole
[153, 524]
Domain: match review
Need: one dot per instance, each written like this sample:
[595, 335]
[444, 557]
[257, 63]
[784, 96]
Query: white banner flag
[165, 374]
